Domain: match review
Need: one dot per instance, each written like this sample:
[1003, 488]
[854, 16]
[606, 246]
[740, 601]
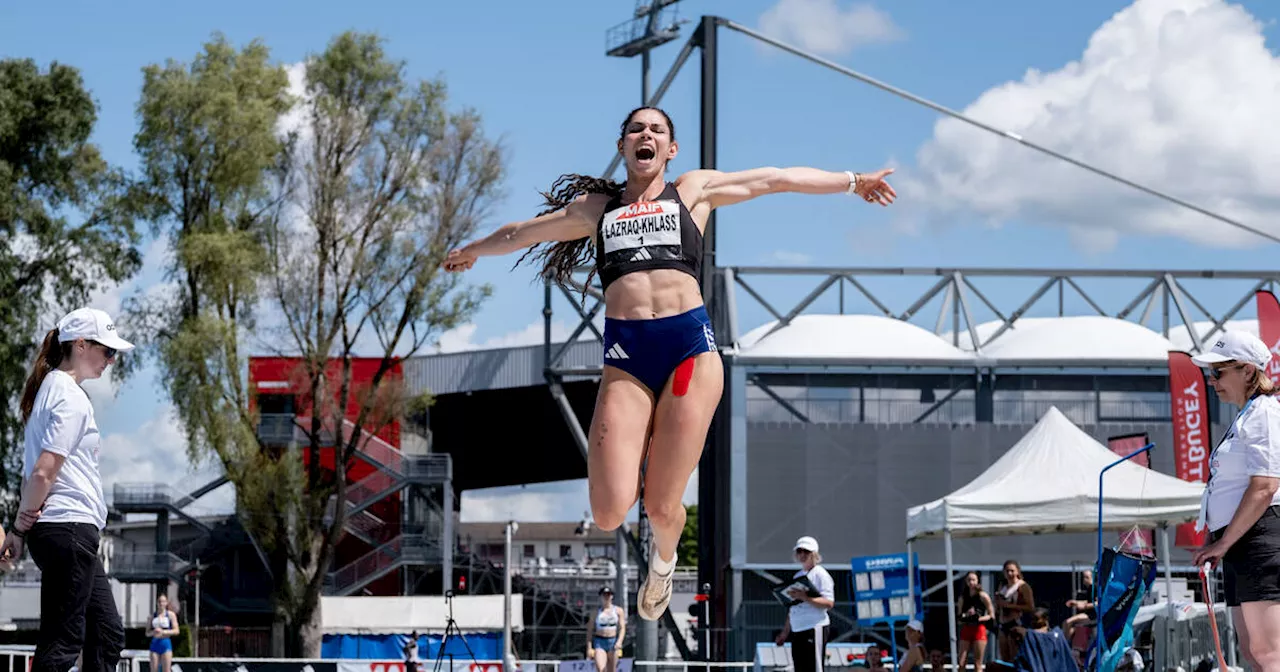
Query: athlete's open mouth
[645, 153]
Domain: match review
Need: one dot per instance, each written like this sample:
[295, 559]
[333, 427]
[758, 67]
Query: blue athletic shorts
[651, 350]
[604, 643]
[162, 646]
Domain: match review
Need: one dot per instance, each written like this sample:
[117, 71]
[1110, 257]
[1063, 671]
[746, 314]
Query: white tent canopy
[1048, 482]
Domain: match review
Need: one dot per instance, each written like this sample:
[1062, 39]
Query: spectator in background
[914, 659]
[1014, 601]
[808, 626]
[1082, 604]
[937, 660]
[874, 658]
[975, 614]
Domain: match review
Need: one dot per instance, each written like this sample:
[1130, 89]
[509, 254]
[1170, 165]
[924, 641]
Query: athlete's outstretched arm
[569, 223]
[720, 188]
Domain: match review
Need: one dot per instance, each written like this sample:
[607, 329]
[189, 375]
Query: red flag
[1190, 431]
[1124, 445]
[1269, 329]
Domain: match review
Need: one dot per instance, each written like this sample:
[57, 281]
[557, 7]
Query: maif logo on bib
[642, 231]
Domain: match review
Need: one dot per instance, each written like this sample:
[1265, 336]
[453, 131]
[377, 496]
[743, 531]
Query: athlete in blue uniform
[606, 632]
[164, 625]
[663, 377]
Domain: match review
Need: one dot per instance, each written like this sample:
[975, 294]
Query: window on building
[566, 552]
[530, 551]
[275, 423]
[595, 551]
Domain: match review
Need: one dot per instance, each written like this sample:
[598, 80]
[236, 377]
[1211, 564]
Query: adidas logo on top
[616, 352]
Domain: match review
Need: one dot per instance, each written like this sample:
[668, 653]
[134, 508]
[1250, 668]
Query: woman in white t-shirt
[1241, 503]
[808, 626]
[62, 511]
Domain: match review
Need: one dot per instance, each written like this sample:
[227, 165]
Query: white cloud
[1175, 94]
[561, 501]
[825, 27]
[792, 258]
[460, 338]
[156, 452]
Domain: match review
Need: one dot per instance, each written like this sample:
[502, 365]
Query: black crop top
[647, 235]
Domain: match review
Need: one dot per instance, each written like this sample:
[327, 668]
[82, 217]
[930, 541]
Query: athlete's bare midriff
[646, 295]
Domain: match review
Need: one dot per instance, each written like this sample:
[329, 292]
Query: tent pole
[911, 579]
[1167, 557]
[951, 604]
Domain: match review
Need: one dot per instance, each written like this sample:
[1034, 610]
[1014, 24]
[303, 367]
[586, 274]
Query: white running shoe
[654, 594]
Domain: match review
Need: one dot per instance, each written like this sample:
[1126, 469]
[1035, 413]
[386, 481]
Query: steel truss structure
[955, 285]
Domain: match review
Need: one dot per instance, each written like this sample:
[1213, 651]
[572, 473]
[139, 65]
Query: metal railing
[406, 548]
[147, 564]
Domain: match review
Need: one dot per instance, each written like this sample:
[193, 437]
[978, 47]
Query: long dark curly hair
[560, 258]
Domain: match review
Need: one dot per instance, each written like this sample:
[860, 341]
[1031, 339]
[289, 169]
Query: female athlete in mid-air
[663, 376]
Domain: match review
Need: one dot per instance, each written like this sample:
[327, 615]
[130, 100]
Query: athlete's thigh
[680, 426]
[617, 440]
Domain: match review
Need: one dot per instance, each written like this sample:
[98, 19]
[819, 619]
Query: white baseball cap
[1239, 346]
[94, 325]
[806, 544]
[916, 625]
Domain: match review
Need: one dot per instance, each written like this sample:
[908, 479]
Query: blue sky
[1173, 93]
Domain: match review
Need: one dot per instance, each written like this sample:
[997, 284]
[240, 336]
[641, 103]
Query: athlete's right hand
[459, 260]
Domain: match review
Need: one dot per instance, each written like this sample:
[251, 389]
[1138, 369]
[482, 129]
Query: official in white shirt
[1241, 503]
[62, 511]
[808, 626]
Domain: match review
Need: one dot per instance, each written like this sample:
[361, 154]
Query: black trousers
[809, 649]
[77, 610]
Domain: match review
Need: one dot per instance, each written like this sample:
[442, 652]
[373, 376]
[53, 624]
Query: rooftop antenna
[653, 24]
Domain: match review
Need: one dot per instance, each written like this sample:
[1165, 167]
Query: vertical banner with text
[1269, 329]
[1190, 431]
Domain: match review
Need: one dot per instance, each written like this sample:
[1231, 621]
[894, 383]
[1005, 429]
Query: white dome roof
[870, 339]
[1079, 341]
[1181, 338]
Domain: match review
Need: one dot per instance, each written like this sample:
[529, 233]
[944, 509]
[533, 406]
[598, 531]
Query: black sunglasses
[1216, 373]
[109, 352]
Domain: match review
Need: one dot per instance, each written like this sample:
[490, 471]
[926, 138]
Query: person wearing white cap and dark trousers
[1241, 502]
[808, 625]
[62, 511]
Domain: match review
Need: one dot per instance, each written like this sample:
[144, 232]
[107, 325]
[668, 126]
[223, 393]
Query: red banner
[1125, 445]
[1269, 329]
[1190, 431]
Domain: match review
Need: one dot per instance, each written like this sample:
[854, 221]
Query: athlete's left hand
[873, 189]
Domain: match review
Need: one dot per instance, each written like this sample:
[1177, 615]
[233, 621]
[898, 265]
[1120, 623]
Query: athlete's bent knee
[608, 518]
[665, 515]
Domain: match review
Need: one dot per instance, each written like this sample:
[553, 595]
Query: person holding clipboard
[808, 597]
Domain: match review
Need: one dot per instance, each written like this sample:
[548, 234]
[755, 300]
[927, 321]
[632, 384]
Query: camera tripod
[451, 630]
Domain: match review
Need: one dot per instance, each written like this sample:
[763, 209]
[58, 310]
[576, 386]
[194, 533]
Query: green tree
[687, 550]
[337, 232]
[66, 226]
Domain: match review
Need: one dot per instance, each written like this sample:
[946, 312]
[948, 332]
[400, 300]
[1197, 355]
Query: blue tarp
[485, 646]
[1045, 652]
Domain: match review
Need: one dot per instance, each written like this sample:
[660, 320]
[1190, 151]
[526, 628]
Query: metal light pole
[508, 660]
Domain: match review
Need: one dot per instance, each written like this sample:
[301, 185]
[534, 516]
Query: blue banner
[485, 646]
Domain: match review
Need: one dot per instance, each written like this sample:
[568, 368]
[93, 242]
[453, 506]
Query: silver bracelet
[853, 182]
